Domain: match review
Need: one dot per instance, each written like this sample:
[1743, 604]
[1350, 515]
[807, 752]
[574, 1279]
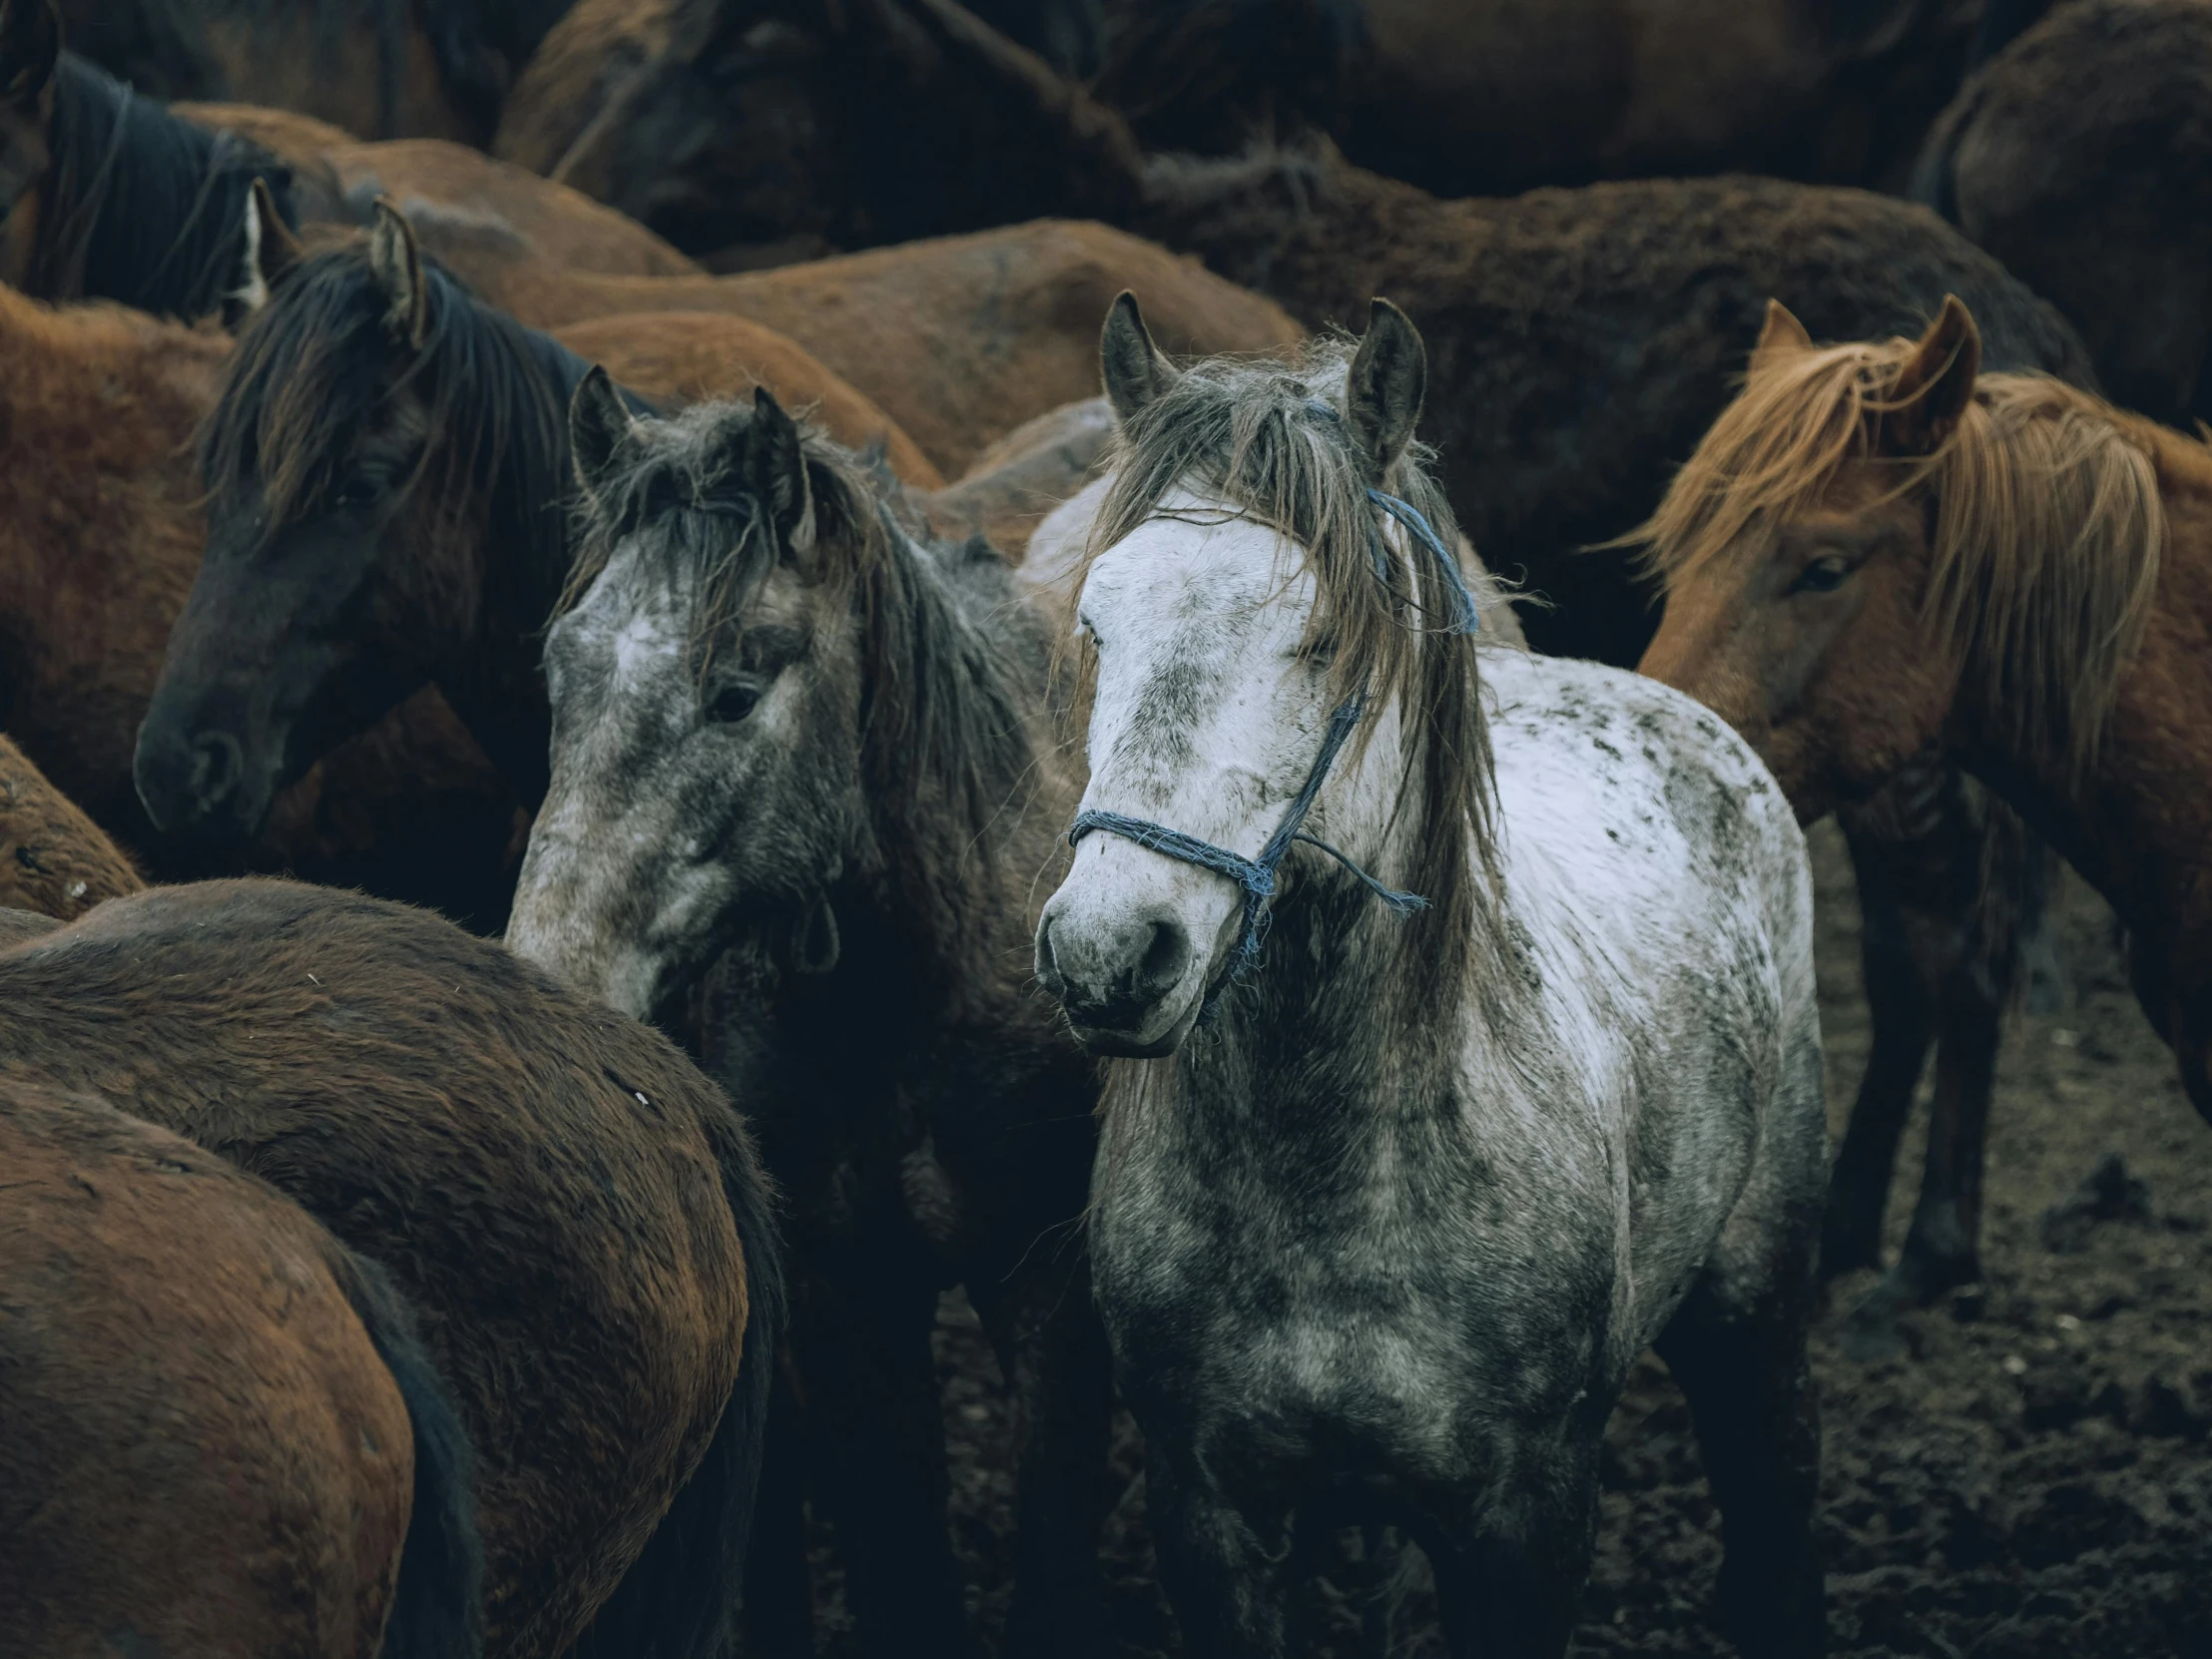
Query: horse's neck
[497, 683]
[955, 856]
[2137, 822]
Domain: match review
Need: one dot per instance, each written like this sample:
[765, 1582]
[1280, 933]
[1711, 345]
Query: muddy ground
[2032, 1479]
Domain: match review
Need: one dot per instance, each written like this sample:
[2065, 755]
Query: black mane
[141, 207]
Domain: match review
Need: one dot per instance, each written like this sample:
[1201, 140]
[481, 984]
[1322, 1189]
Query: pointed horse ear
[1129, 363]
[775, 472]
[1936, 384]
[30, 47]
[599, 426]
[1783, 336]
[270, 250]
[1384, 391]
[397, 262]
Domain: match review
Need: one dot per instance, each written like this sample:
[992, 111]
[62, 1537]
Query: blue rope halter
[1257, 876]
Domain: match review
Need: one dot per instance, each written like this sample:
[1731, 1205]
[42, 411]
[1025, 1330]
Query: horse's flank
[2049, 533]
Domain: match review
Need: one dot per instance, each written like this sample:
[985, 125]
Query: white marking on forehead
[644, 646]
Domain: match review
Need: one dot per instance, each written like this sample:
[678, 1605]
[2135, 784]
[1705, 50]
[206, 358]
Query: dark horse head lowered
[108, 196]
[388, 477]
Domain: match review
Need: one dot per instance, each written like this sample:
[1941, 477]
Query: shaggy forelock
[1270, 438]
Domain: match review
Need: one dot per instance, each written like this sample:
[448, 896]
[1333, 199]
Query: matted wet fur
[786, 729]
[1251, 431]
[2047, 531]
[574, 1209]
[221, 1433]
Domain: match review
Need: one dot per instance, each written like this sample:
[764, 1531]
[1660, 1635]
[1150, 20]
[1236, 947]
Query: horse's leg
[1046, 1329]
[1900, 1002]
[1509, 1579]
[1742, 1366]
[1221, 1566]
[779, 1592]
[876, 1434]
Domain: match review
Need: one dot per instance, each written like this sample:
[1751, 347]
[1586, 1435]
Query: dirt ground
[2032, 1479]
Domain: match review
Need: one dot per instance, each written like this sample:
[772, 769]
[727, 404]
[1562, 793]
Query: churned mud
[2031, 1479]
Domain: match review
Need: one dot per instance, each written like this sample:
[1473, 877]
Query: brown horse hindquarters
[677, 358]
[201, 1453]
[958, 339]
[571, 1207]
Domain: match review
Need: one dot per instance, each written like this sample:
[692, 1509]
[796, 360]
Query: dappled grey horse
[1465, 1025]
[785, 729]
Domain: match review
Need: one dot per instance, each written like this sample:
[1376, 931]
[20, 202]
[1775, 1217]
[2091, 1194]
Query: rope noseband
[1257, 876]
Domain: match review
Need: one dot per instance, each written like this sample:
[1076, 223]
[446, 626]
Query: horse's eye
[357, 493]
[734, 702]
[1824, 575]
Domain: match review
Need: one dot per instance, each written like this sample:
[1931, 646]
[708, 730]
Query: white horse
[1389, 1199]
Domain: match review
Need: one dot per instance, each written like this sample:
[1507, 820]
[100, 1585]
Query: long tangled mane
[1271, 438]
[140, 206]
[311, 368]
[946, 726]
[2048, 531]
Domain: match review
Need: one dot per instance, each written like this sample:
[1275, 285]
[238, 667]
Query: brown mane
[2048, 529]
[1270, 438]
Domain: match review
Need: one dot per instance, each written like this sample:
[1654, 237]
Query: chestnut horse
[218, 1432]
[578, 1214]
[53, 858]
[386, 468]
[1881, 553]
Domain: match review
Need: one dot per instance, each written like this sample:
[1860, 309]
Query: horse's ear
[30, 47]
[775, 464]
[1783, 336]
[1384, 391]
[599, 424]
[1129, 363]
[1936, 384]
[270, 250]
[397, 262]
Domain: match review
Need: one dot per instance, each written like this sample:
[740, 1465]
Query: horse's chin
[1154, 1038]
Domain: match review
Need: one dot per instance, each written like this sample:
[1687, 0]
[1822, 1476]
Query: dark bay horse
[1408, 1150]
[1880, 550]
[575, 1211]
[785, 729]
[218, 1430]
[387, 475]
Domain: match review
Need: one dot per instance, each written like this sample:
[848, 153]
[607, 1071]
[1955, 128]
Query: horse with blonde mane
[1380, 1242]
[1880, 554]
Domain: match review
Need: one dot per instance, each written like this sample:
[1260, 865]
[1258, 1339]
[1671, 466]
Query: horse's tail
[680, 1598]
[437, 1606]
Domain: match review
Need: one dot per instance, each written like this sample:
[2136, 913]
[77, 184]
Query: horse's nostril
[217, 766]
[1048, 965]
[1165, 955]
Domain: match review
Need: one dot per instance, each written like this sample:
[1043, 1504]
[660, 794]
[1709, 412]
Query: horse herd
[1124, 857]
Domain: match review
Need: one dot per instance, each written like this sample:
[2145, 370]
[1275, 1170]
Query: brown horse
[387, 467]
[1881, 553]
[577, 1212]
[53, 858]
[1469, 96]
[2081, 159]
[219, 1432]
[959, 339]
[385, 68]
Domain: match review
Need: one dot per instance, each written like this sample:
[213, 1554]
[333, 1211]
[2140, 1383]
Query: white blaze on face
[1205, 719]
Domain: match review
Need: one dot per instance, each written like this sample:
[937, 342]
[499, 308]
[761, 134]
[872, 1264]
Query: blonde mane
[2048, 530]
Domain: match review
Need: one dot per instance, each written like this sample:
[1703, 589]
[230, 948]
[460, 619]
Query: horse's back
[1663, 876]
[200, 1447]
[543, 1177]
